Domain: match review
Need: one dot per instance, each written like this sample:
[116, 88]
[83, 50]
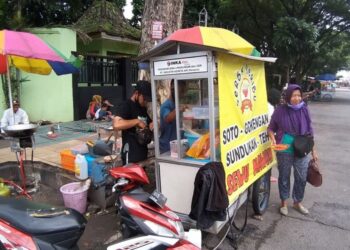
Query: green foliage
[137, 13]
[16, 81]
[39, 13]
[193, 7]
[307, 36]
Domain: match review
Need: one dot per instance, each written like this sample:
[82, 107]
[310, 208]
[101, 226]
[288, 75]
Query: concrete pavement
[328, 225]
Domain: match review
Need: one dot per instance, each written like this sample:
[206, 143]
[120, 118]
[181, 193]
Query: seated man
[17, 116]
[103, 113]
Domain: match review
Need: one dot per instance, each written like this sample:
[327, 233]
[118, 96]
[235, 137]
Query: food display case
[218, 117]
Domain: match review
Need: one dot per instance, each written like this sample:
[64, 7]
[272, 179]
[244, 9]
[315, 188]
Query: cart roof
[205, 38]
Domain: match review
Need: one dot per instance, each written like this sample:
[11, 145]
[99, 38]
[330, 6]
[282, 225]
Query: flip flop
[301, 209]
[284, 211]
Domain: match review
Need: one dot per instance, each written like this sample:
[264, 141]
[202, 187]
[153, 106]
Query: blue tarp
[326, 77]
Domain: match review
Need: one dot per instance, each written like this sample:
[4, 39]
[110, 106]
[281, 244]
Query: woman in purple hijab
[287, 121]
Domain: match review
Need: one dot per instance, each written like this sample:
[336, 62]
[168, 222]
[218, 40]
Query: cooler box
[96, 169]
[67, 160]
[99, 172]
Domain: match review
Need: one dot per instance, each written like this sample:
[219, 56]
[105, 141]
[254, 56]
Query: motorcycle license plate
[158, 198]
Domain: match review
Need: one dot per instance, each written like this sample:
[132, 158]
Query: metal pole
[9, 87]
[211, 95]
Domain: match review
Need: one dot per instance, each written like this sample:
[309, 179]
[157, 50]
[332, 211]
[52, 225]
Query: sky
[344, 73]
[128, 9]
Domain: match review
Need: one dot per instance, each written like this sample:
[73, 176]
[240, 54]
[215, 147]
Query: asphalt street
[328, 225]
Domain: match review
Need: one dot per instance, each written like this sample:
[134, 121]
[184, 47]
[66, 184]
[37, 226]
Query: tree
[263, 24]
[137, 13]
[37, 13]
[167, 11]
[192, 9]
[293, 39]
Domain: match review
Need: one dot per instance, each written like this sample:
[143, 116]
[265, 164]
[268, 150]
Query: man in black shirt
[131, 115]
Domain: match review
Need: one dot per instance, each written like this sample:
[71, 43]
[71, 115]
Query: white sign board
[188, 65]
[157, 30]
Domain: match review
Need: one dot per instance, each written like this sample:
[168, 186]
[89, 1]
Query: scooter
[153, 242]
[142, 213]
[27, 225]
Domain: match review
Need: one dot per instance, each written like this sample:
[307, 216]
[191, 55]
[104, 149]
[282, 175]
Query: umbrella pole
[9, 87]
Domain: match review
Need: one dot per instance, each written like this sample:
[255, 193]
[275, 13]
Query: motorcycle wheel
[327, 98]
[261, 193]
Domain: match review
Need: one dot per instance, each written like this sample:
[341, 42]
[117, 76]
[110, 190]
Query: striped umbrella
[213, 37]
[31, 54]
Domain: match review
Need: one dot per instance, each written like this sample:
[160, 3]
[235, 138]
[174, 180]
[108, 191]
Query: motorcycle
[142, 213]
[27, 225]
[153, 242]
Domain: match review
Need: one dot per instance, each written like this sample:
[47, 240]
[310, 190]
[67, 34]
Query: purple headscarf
[288, 120]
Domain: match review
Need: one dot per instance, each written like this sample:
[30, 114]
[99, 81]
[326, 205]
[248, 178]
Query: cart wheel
[327, 98]
[261, 193]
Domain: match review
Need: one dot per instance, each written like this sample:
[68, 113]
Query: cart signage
[188, 65]
[245, 146]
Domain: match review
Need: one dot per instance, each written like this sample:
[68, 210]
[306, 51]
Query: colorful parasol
[29, 53]
[213, 37]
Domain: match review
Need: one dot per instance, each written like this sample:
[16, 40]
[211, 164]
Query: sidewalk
[48, 150]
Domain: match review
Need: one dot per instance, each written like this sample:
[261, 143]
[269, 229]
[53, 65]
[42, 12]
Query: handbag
[303, 145]
[144, 136]
[314, 176]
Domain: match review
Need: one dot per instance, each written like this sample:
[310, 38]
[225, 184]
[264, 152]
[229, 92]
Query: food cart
[221, 115]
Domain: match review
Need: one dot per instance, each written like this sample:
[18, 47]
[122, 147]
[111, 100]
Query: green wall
[2, 100]
[102, 46]
[50, 97]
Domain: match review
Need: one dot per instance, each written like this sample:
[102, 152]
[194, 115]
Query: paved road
[328, 225]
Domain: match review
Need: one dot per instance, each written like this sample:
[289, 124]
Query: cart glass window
[184, 118]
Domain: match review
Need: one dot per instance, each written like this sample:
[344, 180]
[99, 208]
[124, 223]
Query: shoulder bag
[303, 144]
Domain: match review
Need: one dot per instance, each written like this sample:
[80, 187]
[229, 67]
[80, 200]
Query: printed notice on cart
[188, 65]
[244, 142]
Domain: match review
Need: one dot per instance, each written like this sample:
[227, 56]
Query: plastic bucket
[75, 196]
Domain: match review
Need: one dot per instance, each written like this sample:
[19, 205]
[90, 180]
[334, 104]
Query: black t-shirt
[132, 110]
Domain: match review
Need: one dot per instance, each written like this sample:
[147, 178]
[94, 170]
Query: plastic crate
[67, 160]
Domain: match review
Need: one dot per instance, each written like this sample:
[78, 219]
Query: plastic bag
[200, 149]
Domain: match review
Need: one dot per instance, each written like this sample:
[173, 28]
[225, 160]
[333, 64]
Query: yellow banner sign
[245, 146]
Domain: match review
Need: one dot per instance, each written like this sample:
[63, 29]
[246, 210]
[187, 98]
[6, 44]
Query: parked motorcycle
[142, 213]
[153, 242]
[27, 225]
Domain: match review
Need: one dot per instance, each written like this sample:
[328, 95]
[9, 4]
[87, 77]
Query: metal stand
[18, 146]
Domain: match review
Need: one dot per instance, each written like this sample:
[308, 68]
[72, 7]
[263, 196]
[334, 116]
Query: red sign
[157, 30]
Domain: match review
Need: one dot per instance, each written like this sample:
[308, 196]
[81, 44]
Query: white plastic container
[173, 148]
[81, 167]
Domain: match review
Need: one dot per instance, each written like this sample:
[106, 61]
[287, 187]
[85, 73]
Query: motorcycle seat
[39, 219]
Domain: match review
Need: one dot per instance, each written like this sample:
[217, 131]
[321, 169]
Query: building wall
[2, 100]
[100, 46]
[50, 97]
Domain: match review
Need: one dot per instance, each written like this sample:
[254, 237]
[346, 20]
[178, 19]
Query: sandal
[301, 209]
[284, 210]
